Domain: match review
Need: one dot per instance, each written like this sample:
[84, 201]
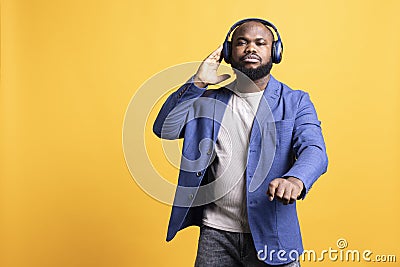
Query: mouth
[251, 58]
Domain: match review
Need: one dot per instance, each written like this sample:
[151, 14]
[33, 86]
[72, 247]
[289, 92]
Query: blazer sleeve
[171, 119]
[308, 145]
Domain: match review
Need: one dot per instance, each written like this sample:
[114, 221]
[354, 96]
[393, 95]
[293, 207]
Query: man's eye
[241, 43]
[261, 43]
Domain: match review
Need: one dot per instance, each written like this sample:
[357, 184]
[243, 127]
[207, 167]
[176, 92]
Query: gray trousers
[218, 248]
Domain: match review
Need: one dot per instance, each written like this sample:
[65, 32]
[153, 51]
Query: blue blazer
[285, 140]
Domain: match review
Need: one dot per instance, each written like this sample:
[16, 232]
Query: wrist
[199, 82]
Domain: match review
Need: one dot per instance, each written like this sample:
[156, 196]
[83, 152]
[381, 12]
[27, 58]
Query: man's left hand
[286, 190]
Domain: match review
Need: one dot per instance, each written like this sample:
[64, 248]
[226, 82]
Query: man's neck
[244, 85]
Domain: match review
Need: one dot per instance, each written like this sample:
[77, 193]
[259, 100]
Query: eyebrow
[245, 39]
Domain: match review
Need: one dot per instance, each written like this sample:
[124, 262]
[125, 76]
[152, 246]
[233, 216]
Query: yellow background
[70, 68]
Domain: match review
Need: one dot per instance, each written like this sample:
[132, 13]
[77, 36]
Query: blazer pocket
[282, 131]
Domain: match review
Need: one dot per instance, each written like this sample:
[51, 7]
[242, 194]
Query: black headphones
[277, 47]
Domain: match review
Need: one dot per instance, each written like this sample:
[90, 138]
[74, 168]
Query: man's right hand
[207, 72]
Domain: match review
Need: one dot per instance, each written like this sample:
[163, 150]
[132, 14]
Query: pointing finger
[287, 196]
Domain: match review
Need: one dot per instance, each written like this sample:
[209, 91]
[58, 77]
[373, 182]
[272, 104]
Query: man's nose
[251, 48]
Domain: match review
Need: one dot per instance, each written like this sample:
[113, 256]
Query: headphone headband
[262, 21]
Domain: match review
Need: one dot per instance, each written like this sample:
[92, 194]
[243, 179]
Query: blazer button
[198, 174]
[209, 152]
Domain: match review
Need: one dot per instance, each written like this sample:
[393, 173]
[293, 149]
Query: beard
[253, 74]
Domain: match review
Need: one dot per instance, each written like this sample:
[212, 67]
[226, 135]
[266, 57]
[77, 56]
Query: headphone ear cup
[226, 51]
[277, 50]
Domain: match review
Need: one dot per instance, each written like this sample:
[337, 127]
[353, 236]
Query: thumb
[223, 77]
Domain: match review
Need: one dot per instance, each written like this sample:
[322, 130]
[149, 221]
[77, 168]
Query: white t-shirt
[229, 212]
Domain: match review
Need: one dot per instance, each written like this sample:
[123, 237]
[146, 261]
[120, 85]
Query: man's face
[251, 50]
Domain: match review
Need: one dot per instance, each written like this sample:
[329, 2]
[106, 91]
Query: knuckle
[272, 185]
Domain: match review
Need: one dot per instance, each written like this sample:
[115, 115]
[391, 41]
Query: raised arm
[172, 117]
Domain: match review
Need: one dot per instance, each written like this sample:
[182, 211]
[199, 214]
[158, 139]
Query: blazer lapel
[265, 108]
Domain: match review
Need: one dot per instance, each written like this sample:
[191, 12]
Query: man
[267, 150]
